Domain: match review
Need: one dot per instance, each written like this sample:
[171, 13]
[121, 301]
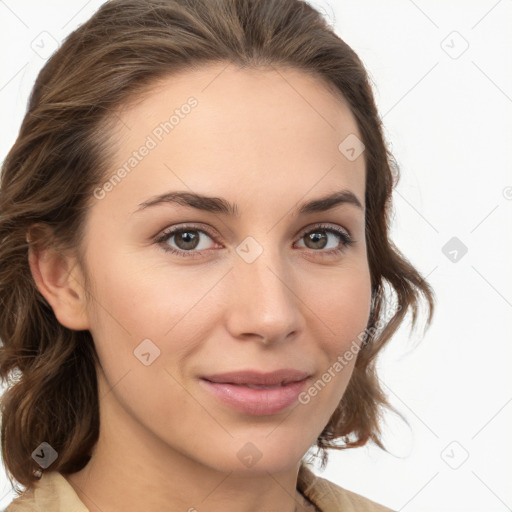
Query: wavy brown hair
[62, 153]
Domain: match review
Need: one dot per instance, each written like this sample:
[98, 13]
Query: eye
[317, 238]
[188, 240]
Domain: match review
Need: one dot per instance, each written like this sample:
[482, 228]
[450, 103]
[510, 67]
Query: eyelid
[323, 225]
[195, 226]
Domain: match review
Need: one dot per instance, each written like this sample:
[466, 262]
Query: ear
[58, 277]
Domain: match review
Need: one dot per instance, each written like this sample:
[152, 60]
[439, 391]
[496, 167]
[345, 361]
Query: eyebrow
[224, 207]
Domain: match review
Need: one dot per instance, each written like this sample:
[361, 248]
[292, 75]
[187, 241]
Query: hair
[62, 153]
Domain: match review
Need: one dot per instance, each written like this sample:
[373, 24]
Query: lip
[257, 378]
[276, 390]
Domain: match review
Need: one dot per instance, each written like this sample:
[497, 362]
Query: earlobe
[58, 278]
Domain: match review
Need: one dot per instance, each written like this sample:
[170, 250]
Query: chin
[261, 454]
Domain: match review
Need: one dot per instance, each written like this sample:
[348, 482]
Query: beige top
[53, 493]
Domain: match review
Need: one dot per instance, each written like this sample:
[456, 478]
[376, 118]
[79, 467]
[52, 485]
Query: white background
[447, 112]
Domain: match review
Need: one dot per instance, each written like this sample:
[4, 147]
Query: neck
[131, 470]
[104, 489]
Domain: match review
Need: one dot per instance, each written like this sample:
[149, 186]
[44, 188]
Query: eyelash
[344, 236]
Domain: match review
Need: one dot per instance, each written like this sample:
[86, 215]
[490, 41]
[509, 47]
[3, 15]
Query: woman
[195, 263]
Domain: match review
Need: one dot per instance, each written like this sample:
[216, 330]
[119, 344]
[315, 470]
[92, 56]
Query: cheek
[144, 299]
[148, 313]
[343, 306]
[341, 300]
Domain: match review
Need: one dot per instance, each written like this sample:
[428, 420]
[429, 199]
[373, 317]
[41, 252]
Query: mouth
[256, 378]
[257, 393]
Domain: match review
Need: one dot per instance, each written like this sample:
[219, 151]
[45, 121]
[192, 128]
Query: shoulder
[51, 492]
[329, 497]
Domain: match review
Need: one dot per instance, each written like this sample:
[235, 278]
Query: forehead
[251, 133]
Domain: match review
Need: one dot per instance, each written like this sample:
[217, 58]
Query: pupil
[187, 238]
[316, 237]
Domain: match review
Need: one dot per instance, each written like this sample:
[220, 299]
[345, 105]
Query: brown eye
[317, 239]
[186, 239]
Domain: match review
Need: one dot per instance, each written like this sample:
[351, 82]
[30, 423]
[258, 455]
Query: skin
[266, 139]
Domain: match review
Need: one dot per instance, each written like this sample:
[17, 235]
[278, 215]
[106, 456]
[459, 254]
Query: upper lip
[257, 378]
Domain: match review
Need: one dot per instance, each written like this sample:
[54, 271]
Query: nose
[265, 305]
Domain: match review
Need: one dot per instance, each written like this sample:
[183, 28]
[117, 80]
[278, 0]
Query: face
[263, 289]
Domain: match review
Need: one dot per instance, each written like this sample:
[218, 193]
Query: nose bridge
[264, 300]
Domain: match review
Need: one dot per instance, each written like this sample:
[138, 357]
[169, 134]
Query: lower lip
[261, 402]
